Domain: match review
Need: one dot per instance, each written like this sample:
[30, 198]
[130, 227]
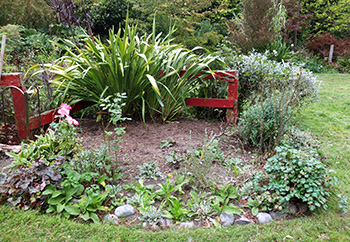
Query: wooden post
[2, 52]
[331, 50]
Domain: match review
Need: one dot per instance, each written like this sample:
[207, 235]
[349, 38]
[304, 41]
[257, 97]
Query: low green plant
[60, 200]
[150, 170]
[141, 201]
[151, 215]
[99, 162]
[200, 206]
[294, 174]
[167, 189]
[167, 143]
[343, 203]
[254, 204]
[199, 161]
[140, 188]
[223, 196]
[175, 210]
[92, 202]
[174, 159]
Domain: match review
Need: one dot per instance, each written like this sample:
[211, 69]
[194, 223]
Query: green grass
[328, 119]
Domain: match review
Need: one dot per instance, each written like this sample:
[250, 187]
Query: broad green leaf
[49, 189]
[72, 209]
[55, 200]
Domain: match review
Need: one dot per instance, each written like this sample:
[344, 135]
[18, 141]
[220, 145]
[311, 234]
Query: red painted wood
[20, 112]
[11, 79]
[19, 102]
[209, 102]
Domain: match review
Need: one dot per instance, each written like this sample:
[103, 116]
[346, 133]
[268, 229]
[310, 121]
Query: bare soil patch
[141, 142]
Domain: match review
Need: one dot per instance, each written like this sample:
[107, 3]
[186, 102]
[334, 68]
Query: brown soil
[141, 143]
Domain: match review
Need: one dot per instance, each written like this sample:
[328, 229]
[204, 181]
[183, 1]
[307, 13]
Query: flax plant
[146, 68]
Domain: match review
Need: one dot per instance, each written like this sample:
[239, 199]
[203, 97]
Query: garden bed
[141, 142]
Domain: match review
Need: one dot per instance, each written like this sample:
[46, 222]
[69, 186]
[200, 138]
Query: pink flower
[72, 121]
[64, 110]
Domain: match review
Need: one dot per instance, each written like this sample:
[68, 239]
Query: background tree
[258, 25]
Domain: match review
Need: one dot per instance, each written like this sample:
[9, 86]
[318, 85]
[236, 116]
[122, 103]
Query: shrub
[287, 85]
[344, 61]
[321, 45]
[256, 67]
[255, 131]
[301, 176]
[31, 13]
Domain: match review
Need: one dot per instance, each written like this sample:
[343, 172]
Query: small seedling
[167, 143]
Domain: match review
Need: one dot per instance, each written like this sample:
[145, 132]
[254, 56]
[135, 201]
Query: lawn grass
[328, 119]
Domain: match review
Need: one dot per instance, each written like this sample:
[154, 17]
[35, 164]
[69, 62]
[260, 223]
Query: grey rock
[144, 224]
[276, 215]
[244, 221]
[227, 219]
[3, 178]
[264, 218]
[165, 222]
[111, 218]
[186, 225]
[124, 211]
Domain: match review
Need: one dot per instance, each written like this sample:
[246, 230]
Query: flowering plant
[64, 112]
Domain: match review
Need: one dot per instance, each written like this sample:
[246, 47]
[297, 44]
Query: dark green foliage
[294, 174]
[107, 14]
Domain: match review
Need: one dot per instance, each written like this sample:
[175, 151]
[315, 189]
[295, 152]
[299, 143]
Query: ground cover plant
[329, 225]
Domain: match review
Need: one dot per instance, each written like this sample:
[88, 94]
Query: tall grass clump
[146, 68]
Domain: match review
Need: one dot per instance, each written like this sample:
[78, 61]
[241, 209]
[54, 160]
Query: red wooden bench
[26, 124]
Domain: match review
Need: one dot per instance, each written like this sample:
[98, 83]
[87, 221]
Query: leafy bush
[294, 174]
[321, 45]
[256, 124]
[61, 141]
[25, 185]
[255, 67]
[31, 14]
[263, 81]
[26, 47]
[344, 61]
